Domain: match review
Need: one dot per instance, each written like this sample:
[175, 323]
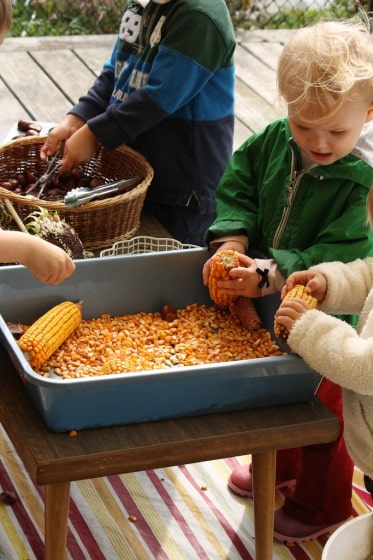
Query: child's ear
[369, 115]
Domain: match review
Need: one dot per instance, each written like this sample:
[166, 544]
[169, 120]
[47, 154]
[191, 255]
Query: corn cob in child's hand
[221, 264]
[240, 307]
[298, 292]
[48, 332]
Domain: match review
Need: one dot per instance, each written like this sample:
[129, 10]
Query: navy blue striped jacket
[168, 92]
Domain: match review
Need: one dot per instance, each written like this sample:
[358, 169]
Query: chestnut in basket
[56, 187]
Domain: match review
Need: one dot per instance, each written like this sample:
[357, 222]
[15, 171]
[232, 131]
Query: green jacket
[299, 218]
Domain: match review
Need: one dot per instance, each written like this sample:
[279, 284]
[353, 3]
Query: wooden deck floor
[41, 77]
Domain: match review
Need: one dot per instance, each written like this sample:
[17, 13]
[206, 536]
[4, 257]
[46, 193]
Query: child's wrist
[240, 245]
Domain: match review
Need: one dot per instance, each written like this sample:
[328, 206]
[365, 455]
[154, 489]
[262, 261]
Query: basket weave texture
[98, 223]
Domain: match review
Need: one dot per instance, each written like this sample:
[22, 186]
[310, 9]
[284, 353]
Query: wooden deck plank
[12, 44]
[94, 58]
[67, 72]
[12, 110]
[257, 75]
[254, 111]
[241, 133]
[42, 99]
[268, 55]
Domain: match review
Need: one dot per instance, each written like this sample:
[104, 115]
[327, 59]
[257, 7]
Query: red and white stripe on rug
[175, 513]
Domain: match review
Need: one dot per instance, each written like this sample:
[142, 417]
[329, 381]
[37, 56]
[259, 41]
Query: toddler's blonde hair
[5, 14]
[324, 65]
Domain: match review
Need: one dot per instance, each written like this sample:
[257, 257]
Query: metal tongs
[53, 165]
[82, 195]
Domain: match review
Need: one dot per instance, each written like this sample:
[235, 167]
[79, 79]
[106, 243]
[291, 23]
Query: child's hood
[364, 146]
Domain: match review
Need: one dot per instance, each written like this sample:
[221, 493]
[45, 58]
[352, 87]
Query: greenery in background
[77, 17]
[291, 16]
[33, 18]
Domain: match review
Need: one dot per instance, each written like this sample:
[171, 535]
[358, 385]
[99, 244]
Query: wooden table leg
[264, 466]
[57, 499]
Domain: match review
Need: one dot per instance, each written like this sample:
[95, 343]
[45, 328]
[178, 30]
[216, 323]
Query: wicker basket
[145, 244]
[99, 223]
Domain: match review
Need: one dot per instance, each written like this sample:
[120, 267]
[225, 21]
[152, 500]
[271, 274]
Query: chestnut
[168, 313]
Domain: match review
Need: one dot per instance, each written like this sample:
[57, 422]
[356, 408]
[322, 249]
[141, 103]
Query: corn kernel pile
[144, 341]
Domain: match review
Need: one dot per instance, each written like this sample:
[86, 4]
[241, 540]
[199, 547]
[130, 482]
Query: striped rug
[176, 513]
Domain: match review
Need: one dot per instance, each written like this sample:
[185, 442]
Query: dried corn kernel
[115, 365]
[145, 341]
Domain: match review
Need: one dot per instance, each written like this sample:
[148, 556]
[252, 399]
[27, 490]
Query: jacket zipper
[292, 191]
[154, 17]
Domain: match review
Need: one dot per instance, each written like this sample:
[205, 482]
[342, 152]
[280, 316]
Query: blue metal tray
[129, 284]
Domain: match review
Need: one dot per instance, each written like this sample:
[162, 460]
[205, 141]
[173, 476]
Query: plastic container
[129, 284]
[352, 541]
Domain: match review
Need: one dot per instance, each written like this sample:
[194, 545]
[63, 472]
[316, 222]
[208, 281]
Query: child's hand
[315, 283]
[290, 311]
[47, 262]
[61, 132]
[244, 279]
[224, 246]
[79, 148]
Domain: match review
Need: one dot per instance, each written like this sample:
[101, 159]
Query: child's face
[333, 138]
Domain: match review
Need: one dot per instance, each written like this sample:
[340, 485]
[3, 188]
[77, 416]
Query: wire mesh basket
[99, 223]
[144, 244]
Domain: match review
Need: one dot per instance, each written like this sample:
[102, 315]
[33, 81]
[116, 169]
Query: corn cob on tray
[123, 285]
[47, 333]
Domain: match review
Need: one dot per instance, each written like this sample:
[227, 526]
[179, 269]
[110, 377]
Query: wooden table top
[150, 226]
[52, 457]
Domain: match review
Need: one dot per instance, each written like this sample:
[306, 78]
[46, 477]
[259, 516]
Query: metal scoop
[53, 165]
[82, 195]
